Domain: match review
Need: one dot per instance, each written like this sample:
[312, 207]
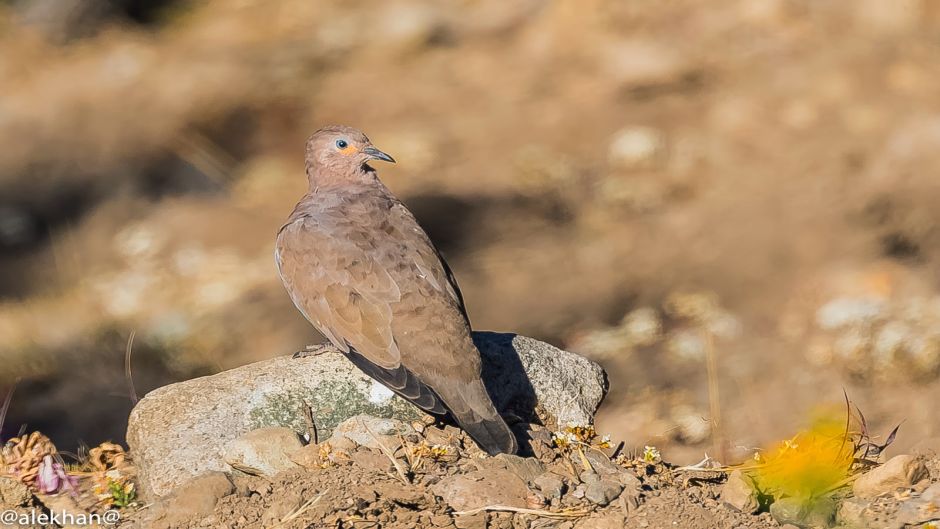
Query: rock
[899, 472]
[263, 452]
[739, 493]
[523, 374]
[370, 431]
[852, 513]
[474, 521]
[480, 488]
[603, 491]
[371, 460]
[601, 463]
[551, 485]
[13, 493]
[818, 514]
[641, 64]
[636, 147]
[178, 431]
[917, 511]
[308, 457]
[525, 468]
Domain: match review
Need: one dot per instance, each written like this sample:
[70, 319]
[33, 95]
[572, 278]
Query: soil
[356, 487]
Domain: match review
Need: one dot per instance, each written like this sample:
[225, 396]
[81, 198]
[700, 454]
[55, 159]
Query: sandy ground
[748, 179]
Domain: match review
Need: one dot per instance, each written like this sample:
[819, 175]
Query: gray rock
[523, 374]
[178, 431]
[917, 511]
[13, 493]
[551, 485]
[370, 431]
[817, 514]
[263, 452]
[739, 493]
[481, 488]
[602, 492]
[899, 472]
[852, 513]
[601, 463]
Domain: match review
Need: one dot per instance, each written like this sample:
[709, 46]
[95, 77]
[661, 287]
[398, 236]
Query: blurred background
[647, 183]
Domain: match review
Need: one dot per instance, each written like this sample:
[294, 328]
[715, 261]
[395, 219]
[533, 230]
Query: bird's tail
[472, 408]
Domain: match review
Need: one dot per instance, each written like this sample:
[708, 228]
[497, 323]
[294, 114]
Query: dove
[363, 272]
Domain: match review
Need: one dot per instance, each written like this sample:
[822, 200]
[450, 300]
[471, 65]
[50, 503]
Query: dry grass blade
[6, 404]
[520, 510]
[389, 454]
[128, 373]
[299, 511]
[312, 432]
[584, 461]
[714, 397]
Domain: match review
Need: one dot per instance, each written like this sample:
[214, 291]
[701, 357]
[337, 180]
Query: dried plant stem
[389, 454]
[311, 424]
[128, 372]
[300, 510]
[6, 405]
[714, 397]
[520, 510]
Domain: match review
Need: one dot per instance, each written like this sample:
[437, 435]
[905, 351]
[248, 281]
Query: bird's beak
[376, 154]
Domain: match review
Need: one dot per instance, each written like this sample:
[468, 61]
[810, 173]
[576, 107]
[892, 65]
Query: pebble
[602, 492]
[739, 493]
[899, 472]
[636, 147]
[551, 485]
[263, 452]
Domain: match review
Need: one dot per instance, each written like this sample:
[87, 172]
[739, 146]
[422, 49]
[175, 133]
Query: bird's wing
[346, 276]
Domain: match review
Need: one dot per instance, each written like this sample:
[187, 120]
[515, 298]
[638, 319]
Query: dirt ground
[651, 184]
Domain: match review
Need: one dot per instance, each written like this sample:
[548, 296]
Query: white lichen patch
[379, 394]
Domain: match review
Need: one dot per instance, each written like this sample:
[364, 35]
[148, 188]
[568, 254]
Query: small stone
[307, 456]
[589, 477]
[602, 492]
[551, 485]
[820, 513]
[852, 513]
[579, 491]
[481, 488]
[473, 521]
[899, 472]
[629, 480]
[441, 520]
[739, 493]
[372, 432]
[13, 493]
[526, 468]
[263, 452]
[371, 460]
[601, 463]
[636, 147]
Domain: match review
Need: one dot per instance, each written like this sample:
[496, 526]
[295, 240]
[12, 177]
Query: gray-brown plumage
[359, 267]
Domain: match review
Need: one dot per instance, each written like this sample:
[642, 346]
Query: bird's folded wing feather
[346, 282]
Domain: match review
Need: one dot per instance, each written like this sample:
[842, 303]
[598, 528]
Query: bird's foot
[313, 350]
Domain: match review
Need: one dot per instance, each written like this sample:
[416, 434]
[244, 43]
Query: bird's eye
[341, 144]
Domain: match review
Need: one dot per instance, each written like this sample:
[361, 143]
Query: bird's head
[341, 151]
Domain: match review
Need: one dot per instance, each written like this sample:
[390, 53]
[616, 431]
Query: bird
[359, 267]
